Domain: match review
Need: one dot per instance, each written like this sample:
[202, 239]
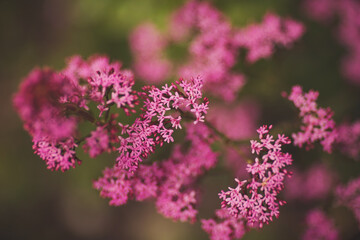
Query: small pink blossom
[57, 155]
[319, 226]
[318, 124]
[97, 143]
[256, 200]
[170, 182]
[152, 128]
[261, 39]
[224, 226]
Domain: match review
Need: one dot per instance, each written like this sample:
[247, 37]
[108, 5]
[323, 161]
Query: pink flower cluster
[156, 124]
[348, 30]
[37, 102]
[213, 47]
[148, 45]
[98, 142]
[319, 226]
[52, 104]
[314, 184]
[171, 182]
[224, 226]
[348, 139]
[318, 124]
[212, 52]
[320, 10]
[256, 200]
[58, 155]
[260, 39]
[349, 196]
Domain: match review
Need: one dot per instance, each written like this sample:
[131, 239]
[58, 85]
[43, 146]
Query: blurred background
[39, 204]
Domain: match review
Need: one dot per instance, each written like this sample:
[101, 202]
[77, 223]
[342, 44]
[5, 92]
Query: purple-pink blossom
[260, 39]
[256, 199]
[319, 226]
[170, 182]
[213, 46]
[317, 122]
[58, 155]
[148, 45]
[160, 115]
[38, 104]
[224, 226]
[98, 142]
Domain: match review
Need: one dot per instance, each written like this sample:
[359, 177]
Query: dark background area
[39, 204]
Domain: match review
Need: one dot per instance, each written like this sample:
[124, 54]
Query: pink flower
[97, 143]
[318, 124]
[57, 155]
[349, 139]
[255, 200]
[224, 226]
[170, 182]
[38, 103]
[147, 45]
[261, 39]
[152, 128]
[319, 226]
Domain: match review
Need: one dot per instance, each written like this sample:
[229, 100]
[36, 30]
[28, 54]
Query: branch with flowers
[54, 104]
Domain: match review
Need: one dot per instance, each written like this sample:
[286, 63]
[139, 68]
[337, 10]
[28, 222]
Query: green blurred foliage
[40, 204]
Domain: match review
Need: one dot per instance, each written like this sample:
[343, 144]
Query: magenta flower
[98, 142]
[256, 200]
[154, 126]
[38, 104]
[171, 182]
[261, 39]
[58, 155]
[318, 124]
[224, 226]
[148, 45]
[319, 226]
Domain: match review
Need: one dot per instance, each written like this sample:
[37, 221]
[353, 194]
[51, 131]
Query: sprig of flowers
[318, 124]
[256, 200]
